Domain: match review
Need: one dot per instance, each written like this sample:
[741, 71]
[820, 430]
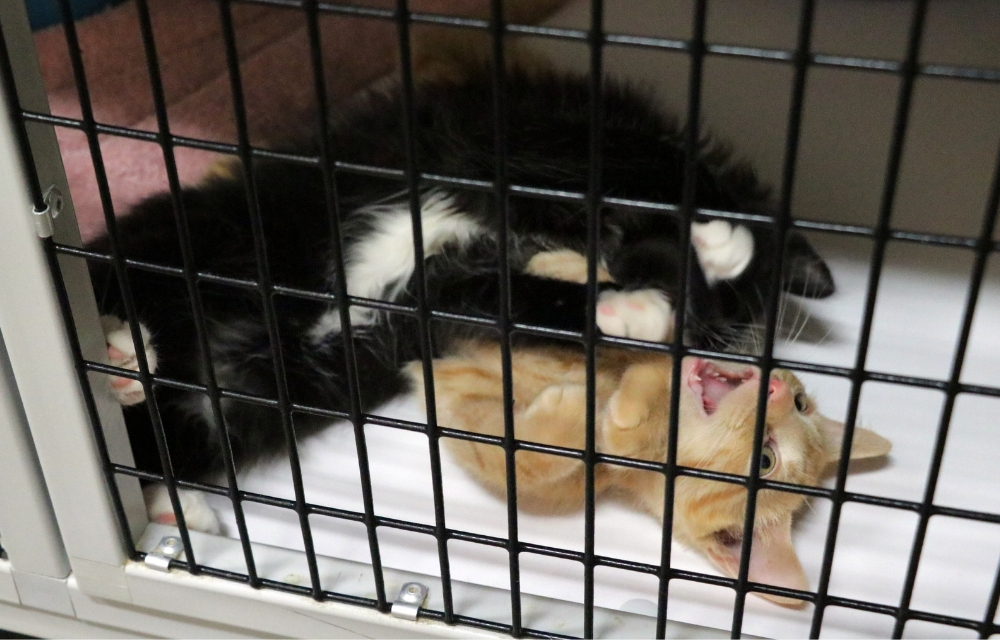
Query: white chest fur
[380, 264]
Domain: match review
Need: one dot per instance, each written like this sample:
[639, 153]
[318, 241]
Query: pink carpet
[277, 81]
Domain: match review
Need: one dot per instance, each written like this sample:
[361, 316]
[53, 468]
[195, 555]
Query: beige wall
[952, 141]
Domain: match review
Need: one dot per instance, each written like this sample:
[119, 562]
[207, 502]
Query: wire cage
[802, 59]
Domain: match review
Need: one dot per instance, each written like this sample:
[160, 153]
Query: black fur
[548, 147]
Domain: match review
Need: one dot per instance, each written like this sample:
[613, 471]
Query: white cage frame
[67, 572]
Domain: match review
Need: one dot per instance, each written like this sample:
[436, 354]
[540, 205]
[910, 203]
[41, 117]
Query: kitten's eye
[801, 402]
[768, 460]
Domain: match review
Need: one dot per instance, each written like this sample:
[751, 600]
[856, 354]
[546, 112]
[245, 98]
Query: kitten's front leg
[642, 314]
[550, 292]
[635, 420]
[121, 353]
[634, 425]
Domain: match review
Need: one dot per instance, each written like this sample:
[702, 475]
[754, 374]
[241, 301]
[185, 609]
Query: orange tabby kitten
[718, 404]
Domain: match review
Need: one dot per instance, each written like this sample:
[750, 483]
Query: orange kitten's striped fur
[718, 409]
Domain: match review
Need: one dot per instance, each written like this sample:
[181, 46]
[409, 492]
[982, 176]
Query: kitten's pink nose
[778, 393]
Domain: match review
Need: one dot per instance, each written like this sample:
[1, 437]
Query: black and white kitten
[548, 127]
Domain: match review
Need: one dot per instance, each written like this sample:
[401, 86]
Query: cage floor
[917, 321]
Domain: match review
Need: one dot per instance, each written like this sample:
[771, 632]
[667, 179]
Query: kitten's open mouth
[711, 382]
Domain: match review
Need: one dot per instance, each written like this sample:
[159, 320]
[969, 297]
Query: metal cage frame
[802, 58]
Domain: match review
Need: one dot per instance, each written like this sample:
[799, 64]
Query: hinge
[409, 601]
[53, 200]
[169, 549]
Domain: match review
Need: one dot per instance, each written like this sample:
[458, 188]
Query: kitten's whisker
[805, 323]
[823, 339]
[796, 328]
[782, 313]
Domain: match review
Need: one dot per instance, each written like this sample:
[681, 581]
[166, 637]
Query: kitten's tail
[453, 53]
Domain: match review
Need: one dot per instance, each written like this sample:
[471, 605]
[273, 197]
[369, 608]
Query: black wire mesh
[502, 189]
[802, 59]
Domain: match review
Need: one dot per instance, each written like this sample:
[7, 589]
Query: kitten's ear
[773, 560]
[806, 274]
[866, 443]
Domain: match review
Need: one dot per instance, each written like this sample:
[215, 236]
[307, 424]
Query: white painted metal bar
[28, 529]
[38, 348]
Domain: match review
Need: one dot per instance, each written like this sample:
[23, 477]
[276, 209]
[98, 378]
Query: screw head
[412, 593]
[170, 544]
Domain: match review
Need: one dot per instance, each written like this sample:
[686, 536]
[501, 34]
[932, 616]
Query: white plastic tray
[917, 321]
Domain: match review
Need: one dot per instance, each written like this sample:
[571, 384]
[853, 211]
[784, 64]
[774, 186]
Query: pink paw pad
[645, 314]
[166, 518]
[122, 353]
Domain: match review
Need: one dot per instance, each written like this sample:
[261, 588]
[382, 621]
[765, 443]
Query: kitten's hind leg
[198, 516]
[724, 251]
[549, 483]
[121, 353]
[545, 483]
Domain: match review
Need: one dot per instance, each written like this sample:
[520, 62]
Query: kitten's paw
[645, 314]
[121, 353]
[619, 433]
[636, 414]
[724, 251]
[625, 412]
[564, 264]
[555, 417]
[198, 516]
[559, 399]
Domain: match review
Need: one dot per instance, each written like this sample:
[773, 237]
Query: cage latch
[409, 600]
[169, 549]
[53, 200]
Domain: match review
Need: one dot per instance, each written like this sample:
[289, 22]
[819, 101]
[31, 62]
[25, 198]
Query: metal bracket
[169, 549]
[53, 200]
[409, 601]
